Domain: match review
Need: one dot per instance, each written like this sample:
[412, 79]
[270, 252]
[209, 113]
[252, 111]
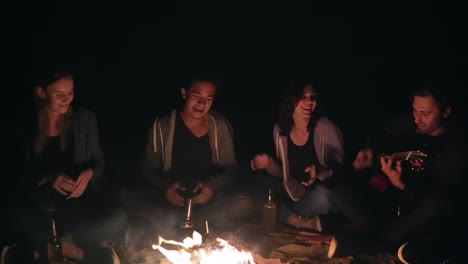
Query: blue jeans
[315, 202]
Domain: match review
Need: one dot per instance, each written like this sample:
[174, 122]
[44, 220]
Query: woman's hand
[64, 184]
[312, 175]
[82, 183]
[363, 159]
[260, 161]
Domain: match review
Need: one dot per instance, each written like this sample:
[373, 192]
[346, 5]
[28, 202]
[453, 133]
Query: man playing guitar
[433, 194]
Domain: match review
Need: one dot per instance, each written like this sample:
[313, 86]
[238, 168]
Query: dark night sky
[130, 54]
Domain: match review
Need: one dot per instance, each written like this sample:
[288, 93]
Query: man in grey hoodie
[190, 156]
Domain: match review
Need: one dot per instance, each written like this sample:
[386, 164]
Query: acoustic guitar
[413, 162]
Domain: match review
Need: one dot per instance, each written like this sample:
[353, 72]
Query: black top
[53, 158]
[191, 156]
[301, 157]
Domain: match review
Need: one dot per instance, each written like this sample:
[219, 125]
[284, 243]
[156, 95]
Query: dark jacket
[86, 151]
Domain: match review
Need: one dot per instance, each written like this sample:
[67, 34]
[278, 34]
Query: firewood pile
[286, 245]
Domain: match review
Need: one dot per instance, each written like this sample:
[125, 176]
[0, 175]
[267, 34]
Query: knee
[323, 191]
[118, 217]
[315, 202]
[319, 194]
[242, 205]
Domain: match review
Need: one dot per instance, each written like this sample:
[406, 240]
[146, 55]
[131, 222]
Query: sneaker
[311, 223]
[307, 223]
[422, 251]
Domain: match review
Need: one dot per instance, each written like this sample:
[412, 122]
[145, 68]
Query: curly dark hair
[294, 90]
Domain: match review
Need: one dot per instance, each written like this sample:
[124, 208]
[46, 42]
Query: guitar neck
[406, 155]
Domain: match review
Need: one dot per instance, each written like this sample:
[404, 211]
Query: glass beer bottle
[269, 213]
[55, 245]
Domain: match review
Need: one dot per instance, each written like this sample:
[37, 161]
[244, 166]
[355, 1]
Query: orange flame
[222, 252]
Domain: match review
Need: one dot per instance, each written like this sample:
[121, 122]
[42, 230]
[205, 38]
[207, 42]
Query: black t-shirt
[191, 156]
[54, 159]
[301, 157]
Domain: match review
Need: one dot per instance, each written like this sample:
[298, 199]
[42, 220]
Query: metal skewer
[188, 222]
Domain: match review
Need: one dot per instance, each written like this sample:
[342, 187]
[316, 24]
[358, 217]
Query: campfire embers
[192, 250]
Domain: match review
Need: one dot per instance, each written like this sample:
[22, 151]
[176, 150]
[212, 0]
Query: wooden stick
[302, 233]
[316, 239]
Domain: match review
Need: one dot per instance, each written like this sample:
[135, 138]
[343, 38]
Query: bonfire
[193, 251]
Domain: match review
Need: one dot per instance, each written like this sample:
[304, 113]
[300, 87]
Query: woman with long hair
[61, 166]
[309, 156]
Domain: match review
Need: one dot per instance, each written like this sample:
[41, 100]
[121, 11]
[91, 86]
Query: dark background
[130, 56]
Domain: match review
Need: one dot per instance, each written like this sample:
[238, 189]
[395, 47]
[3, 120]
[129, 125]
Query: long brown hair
[294, 90]
[43, 121]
